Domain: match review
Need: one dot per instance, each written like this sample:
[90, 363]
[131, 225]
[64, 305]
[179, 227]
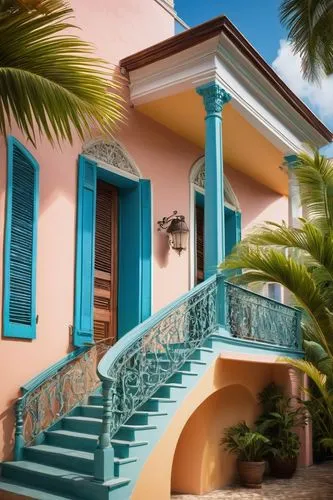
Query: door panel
[106, 247]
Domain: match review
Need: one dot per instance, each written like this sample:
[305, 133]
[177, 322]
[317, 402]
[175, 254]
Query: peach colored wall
[117, 29]
[196, 428]
[258, 203]
[162, 156]
[120, 28]
[200, 464]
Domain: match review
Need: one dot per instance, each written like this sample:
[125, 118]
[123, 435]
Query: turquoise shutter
[146, 248]
[19, 309]
[85, 252]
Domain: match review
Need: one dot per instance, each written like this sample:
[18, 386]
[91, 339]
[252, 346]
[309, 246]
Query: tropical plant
[301, 260]
[50, 82]
[247, 445]
[310, 29]
[298, 258]
[319, 401]
[280, 417]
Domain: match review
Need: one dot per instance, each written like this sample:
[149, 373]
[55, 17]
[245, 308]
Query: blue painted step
[63, 463]
[73, 460]
[61, 480]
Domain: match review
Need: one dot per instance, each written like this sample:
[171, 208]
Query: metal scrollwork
[254, 317]
[149, 362]
[112, 154]
[40, 408]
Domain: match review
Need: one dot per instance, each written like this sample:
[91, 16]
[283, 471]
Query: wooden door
[199, 223]
[106, 247]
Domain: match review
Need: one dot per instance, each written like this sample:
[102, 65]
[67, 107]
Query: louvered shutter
[85, 250]
[105, 297]
[20, 242]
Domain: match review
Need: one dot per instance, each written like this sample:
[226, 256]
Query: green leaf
[50, 82]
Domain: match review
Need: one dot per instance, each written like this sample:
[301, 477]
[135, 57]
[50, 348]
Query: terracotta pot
[283, 468]
[251, 473]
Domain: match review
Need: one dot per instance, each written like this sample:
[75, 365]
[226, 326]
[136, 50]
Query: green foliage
[247, 445]
[50, 82]
[280, 417]
[301, 259]
[310, 27]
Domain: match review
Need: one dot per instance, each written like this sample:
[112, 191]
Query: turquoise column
[214, 98]
[294, 201]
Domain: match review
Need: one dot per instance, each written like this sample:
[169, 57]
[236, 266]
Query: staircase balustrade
[54, 393]
[143, 360]
[251, 316]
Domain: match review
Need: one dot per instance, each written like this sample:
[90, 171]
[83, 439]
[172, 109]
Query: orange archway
[200, 464]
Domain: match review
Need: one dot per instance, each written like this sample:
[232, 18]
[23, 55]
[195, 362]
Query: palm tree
[301, 260]
[50, 83]
[310, 29]
[306, 268]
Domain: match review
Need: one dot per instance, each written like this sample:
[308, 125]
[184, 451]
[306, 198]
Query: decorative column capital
[290, 160]
[214, 97]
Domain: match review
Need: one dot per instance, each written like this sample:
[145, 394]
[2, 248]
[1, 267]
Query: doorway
[106, 263]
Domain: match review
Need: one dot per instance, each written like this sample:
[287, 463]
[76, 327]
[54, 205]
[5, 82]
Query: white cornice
[253, 96]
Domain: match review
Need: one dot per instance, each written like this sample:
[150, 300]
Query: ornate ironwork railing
[55, 392]
[143, 360]
[251, 316]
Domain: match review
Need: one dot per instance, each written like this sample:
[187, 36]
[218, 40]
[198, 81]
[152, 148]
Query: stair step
[156, 404]
[132, 432]
[55, 478]
[181, 376]
[88, 425]
[95, 411]
[71, 439]
[205, 349]
[187, 372]
[144, 417]
[122, 447]
[24, 492]
[169, 390]
[196, 362]
[75, 460]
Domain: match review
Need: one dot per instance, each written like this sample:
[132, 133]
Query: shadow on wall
[200, 464]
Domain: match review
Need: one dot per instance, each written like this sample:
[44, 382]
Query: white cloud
[318, 97]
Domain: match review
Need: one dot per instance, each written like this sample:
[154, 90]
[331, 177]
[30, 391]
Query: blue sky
[258, 20]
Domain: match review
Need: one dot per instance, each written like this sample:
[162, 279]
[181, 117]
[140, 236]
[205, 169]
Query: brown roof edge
[208, 30]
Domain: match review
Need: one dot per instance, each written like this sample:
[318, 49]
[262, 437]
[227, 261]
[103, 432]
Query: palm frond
[49, 80]
[270, 265]
[315, 177]
[310, 27]
[312, 372]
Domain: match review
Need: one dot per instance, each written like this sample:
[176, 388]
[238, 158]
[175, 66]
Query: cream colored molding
[255, 98]
[169, 6]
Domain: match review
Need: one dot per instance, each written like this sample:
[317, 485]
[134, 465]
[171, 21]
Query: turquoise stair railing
[141, 361]
[250, 316]
[145, 358]
[54, 393]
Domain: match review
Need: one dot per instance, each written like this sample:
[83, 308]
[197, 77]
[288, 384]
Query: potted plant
[279, 419]
[250, 447]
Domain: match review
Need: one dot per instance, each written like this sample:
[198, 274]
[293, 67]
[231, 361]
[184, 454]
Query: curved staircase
[94, 443]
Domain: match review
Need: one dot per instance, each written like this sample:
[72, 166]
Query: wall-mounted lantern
[176, 227]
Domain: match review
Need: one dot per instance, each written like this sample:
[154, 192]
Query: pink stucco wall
[117, 29]
[258, 203]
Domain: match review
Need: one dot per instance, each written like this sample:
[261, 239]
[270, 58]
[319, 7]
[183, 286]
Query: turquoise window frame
[12, 329]
[134, 255]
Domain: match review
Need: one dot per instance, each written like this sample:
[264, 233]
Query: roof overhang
[216, 50]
